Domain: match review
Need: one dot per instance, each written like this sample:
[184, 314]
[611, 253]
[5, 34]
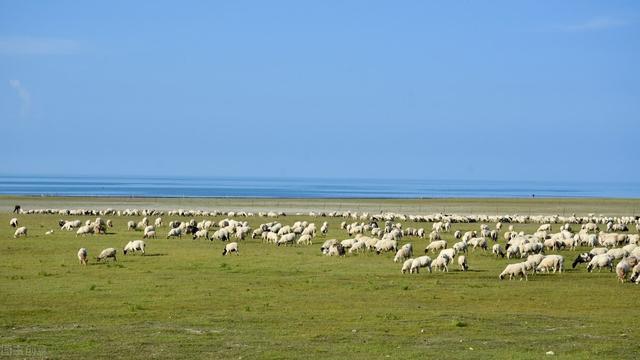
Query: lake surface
[305, 187]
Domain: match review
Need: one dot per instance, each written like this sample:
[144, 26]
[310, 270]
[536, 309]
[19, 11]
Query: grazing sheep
[21, 231]
[406, 266]
[158, 222]
[327, 244]
[635, 274]
[457, 234]
[513, 251]
[386, 245]
[420, 262]
[514, 270]
[462, 263]
[405, 252]
[133, 246]
[478, 242]
[555, 262]
[110, 223]
[460, 247]
[204, 233]
[148, 228]
[450, 253]
[336, 250]
[436, 245]
[358, 245]
[13, 222]
[598, 251]
[83, 256]
[624, 267]
[497, 250]
[617, 253]
[545, 227]
[304, 240]
[324, 229]
[286, 239]
[175, 232]
[69, 225]
[434, 235]
[149, 235]
[441, 262]
[223, 235]
[231, 247]
[131, 225]
[533, 261]
[107, 253]
[600, 261]
[348, 243]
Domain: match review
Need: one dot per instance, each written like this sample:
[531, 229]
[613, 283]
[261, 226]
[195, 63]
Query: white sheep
[420, 262]
[450, 253]
[497, 250]
[336, 250]
[635, 274]
[405, 252]
[286, 239]
[82, 256]
[327, 244]
[533, 261]
[462, 263]
[441, 262]
[13, 222]
[149, 235]
[625, 266]
[21, 231]
[204, 233]
[386, 245]
[107, 253]
[148, 228]
[478, 242]
[598, 251]
[436, 245]
[324, 228]
[304, 240]
[406, 266]
[600, 261]
[460, 247]
[231, 247]
[514, 270]
[617, 253]
[133, 246]
[555, 262]
[175, 232]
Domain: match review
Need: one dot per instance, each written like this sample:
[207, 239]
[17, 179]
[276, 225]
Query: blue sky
[513, 90]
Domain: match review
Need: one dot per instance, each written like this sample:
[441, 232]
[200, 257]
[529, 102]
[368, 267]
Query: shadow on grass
[157, 254]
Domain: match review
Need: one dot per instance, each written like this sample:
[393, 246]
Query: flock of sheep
[385, 232]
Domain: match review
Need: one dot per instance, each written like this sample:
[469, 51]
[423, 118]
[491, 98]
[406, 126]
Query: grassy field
[184, 300]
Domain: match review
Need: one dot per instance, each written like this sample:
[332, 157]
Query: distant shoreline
[489, 206]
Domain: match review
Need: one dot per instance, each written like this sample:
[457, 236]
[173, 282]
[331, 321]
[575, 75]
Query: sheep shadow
[155, 254]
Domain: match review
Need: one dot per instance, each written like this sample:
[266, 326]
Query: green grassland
[184, 300]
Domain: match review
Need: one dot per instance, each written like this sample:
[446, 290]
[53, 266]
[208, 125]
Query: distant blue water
[305, 188]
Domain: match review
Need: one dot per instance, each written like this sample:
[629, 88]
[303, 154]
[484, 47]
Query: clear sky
[510, 90]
